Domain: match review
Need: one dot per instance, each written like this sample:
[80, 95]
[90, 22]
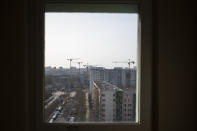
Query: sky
[96, 38]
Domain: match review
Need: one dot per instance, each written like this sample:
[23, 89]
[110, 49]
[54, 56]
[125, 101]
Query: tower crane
[79, 63]
[71, 61]
[128, 62]
[86, 65]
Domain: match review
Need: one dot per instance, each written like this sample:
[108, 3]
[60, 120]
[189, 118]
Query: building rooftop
[107, 86]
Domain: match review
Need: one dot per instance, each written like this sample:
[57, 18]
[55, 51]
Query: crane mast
[70, 60]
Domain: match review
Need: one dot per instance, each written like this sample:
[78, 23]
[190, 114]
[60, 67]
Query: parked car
[51, 121]
[71, 119]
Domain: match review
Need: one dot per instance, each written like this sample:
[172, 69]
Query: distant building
[73, 71]
[123, 78]
[114, 76]
[129, 78]
[96, 74]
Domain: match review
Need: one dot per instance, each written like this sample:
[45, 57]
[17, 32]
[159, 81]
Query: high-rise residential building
[96, 74]
[114, 76]
[123, 78]
[129, 104]
[113, 93]
[129, 78]
[119, 98]
[108, 99]
[95, 102]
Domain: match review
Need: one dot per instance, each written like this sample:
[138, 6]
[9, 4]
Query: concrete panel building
[108, 98]
[96, 74]
[129, 104]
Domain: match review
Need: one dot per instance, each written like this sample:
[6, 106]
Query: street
[74, 107]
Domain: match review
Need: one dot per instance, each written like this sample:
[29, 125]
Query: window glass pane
[90, 66]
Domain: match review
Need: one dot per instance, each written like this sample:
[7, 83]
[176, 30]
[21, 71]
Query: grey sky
[95, 38]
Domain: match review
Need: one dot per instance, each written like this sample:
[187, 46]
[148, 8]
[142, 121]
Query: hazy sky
[95, 38]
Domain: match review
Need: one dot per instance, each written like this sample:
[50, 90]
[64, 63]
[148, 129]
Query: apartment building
[108, 99]
[129, 104]
[122, 78]
[96, 74]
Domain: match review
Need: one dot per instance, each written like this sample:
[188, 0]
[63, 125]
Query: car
[54, 117]
[59, 108]
[51, 121]
[71, 119]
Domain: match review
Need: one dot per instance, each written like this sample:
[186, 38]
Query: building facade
[129, 105]
[96, 74]
[108, 99]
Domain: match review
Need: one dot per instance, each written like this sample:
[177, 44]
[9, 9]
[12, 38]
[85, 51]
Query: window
[79, 32]
[144, 62]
